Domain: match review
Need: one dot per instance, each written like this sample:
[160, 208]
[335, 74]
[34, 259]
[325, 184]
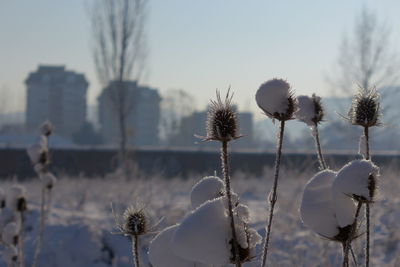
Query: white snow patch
[204, 234]
[272, 96]
[161, 255]
[306, 110]
[316, 208]
[208, 188]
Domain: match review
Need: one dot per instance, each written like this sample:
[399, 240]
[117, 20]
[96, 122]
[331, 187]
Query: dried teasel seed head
[222, 123]
[318, 109]
[135, 222]
[46, 128]
[21, 204]
[365, 109]
[310, 110]
[276, 99]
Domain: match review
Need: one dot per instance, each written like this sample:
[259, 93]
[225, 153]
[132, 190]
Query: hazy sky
[196, 45]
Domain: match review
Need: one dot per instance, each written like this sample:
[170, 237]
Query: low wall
[170, 162]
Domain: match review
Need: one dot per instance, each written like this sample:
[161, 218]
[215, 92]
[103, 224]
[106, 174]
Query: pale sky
[196, 45]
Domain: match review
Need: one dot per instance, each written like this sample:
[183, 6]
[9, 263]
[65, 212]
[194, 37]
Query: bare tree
[175, 105]
[365, 58]
[119, 52]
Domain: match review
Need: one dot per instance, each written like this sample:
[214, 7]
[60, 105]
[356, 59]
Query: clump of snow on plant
[13, 195]
[161, 255]
[10, 231]
[306, 110]
[207, 188]
[48, 179]
[316, 209]
[272, 97]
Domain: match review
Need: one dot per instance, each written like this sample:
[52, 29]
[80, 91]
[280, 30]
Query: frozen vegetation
[80, 229]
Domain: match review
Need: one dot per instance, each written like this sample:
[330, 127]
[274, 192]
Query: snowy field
[81, 231]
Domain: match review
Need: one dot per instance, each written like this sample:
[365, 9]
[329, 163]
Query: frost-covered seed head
[222, 123]
[10, 255]
[16, 198]
[309, 110]
[135, 222]
[48, 180]
[344, 234]
[276, 99]
[2, 199]
[46, 128]
[365, 109]
[10, 233]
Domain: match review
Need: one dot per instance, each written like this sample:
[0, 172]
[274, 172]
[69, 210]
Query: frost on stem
[205, 236]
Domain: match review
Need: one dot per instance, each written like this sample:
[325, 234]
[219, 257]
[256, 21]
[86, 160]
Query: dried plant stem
[225, 170]
[41, 227]
[367, 207]
[347, 243]
[135, 249]
[21, 240]
[353, 256]
[273, 197]
[321, 159]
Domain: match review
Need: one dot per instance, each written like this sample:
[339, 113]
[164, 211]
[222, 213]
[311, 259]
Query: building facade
[58, 95]
[141, 105]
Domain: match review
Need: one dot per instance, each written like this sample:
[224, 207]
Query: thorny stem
[21, 240]
[367, 207]
[321, 159]
[347, 244]
[135, 249]
[225, 170]
[273, 197]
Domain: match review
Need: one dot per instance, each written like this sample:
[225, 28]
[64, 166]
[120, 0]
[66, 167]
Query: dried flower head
[275, 98]
[134, 222]
[365, 108]
[310, 110]
[222, 123]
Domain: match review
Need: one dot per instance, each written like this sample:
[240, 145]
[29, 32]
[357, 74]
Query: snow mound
[352, 179]
[206, 189]
[161, 255]
[204, 234]
[272, 97]
[316, 208]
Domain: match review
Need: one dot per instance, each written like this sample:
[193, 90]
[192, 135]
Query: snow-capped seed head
[48, 180]
[310, 110]
[208, 188]
[10, 233]
[345, 233]
[16, 198]
[276, 99]
[357, 179]
[222, 123]
[10, 255]
[365, 109]
[134, 223]
[46, 128]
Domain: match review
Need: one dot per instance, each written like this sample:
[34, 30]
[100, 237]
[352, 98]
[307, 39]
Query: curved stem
[353, 256]
[225, 170]
[273, 196]
[321, 159]
[135, 249]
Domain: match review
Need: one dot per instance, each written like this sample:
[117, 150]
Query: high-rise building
[58, 95]
[142, 109]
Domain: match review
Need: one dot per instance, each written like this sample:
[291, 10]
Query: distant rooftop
[47, 73]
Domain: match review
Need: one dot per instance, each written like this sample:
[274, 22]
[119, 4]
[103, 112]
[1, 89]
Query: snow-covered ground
[81, 232]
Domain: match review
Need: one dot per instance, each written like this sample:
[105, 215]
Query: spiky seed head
[345, 233]
[365, 109]
[318, 109]
[21, 204]
[135, 222]
[222, 123]
[276, 99]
